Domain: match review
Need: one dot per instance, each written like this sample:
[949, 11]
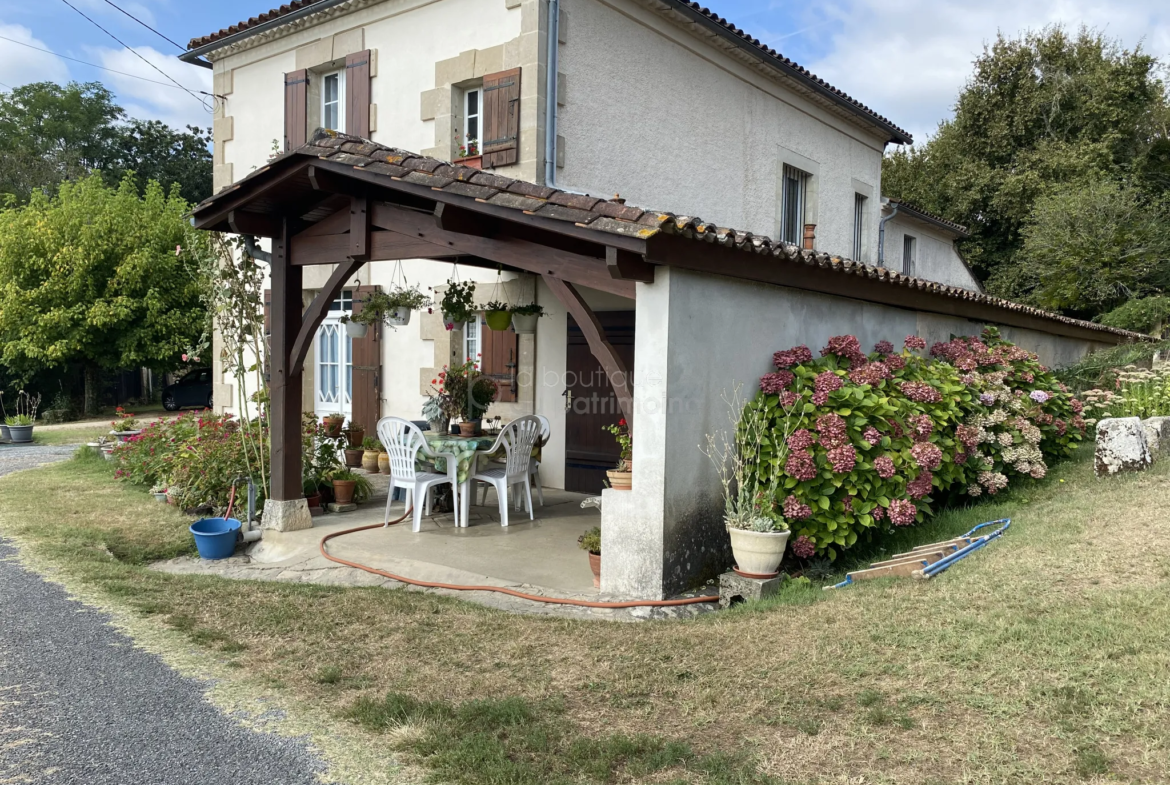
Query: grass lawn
[1045, 657]
[80, 434]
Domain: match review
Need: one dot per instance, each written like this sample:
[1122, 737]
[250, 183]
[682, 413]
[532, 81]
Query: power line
[144, 24]
[136, 54]
[93, 65]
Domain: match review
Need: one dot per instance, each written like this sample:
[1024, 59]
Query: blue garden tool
[926, 561]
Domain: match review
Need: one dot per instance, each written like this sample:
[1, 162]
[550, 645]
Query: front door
[590, 403]
[333, 373]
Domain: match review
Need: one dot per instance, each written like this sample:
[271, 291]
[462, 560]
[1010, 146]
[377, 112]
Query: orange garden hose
[498, 589]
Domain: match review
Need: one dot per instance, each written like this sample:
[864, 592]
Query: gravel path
[79, 705]
[14, 457]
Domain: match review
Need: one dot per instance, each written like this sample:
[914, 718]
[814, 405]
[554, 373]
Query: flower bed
[881, 439]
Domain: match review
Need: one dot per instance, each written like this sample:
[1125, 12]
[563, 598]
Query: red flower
[622, 421]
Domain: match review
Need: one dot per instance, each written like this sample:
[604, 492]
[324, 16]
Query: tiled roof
[938, 219]
[611, 216]
[741, 37]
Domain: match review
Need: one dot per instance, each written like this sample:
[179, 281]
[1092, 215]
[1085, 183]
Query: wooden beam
[611, 362]
[359, 229]
[318, 310]
[628, 266]
[523, 254]
[462, 221]
[384, 246]
[336, 223]
[244, 194]
[261, 225]
[285, 384]
[332, 182]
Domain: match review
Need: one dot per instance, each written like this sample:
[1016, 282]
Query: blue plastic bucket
[215, 537]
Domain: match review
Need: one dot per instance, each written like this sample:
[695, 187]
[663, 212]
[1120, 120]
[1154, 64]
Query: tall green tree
[1042, 111]
[102, 276]
[51, 133]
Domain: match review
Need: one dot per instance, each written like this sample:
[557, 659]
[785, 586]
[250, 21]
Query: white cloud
[163, 102]
[20, 65]
[909, 60]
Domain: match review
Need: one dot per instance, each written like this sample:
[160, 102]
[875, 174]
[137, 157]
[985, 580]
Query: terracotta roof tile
[914, 209]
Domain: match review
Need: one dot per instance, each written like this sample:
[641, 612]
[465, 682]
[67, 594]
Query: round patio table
[467, 451]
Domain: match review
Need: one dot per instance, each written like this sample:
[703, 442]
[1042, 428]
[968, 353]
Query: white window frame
[337, 398]
[859, 209]
[340, 74]
[909, 252]
[468, 115]
[473, 340]
[794, 186]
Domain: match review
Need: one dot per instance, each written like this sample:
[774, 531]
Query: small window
[332, 101]
[858, 226]
[472, 115]
[908, 249]
[793, 192]
[344, 302]
[471, 339]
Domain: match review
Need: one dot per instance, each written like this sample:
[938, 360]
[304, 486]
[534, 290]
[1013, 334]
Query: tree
[50, 134]
[101, 276]
[1046, 109]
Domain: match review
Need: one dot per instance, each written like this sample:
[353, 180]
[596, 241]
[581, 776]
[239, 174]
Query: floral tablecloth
[464, 449]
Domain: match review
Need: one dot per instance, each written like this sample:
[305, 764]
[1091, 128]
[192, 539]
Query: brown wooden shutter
[501, 119]
[367, 369]
[357, 94]
[499, 359]
[296, 100]
[268, 312]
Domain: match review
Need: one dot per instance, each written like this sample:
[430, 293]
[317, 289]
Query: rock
[1157, 436]
[1121, 446]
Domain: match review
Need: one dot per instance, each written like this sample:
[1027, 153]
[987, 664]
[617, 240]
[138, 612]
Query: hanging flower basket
[356, 329]
[399, 317]
[524, 318]
[458, 303]
[498, 320]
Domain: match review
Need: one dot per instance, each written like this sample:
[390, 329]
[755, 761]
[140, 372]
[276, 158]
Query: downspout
[550, 93]
[882, 234]
[255, 251]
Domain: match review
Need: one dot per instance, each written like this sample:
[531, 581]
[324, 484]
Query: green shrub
[1143, 315]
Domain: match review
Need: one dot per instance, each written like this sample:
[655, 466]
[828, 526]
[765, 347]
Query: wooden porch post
[285, 385]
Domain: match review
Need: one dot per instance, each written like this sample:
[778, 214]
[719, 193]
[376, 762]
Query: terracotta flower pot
[473, 161]
[314, 500]
[757, 553]
[595, 565]
[470, 427]
[343, 491]
[384, 462]
[353, 458]
[333, 426]
[370, 461]
[620, 481]
[354, 437]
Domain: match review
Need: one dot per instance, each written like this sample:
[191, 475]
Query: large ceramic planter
[384, 462]
[757, 553]
[399, 317]
[370, 461]
[353, 458]
[620, 481]
[20, 434]
[356, 329]
[595, 565]
[524, 323]
[343, 491]
[124, 435]
[5, 434]
[498, 320]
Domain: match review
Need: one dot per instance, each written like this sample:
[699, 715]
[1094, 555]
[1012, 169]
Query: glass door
[334, 361]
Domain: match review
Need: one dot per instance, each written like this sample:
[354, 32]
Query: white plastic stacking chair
[533, 466]
[403, 441]
[517, 439]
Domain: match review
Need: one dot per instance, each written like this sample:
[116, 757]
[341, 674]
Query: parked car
[194, 389]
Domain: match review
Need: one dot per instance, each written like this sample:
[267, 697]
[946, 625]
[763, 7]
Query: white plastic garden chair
[403, 441]
[533, 466]
[517, 439]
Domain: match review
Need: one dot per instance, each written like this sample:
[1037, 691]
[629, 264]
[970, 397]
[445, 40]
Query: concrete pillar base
[632, 564]
[286, 516]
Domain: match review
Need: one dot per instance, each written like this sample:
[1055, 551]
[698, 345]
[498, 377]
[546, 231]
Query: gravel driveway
[80, 705]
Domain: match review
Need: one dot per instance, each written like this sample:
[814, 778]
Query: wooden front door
[590, 403]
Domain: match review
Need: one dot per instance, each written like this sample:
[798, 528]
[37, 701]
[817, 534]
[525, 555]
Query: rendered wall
[935, 256]
[667, 532]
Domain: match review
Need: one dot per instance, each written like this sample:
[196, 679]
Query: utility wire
[136, 54]
[144, 24]
[93, 65]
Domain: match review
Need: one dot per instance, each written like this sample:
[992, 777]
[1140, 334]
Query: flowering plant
[126, 421]
[458, 303]
[621, 433]
[1138, 392]
[468, 393]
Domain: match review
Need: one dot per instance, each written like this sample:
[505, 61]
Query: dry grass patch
[1045, 656]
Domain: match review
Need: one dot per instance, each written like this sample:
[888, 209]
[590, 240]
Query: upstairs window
[794, 190]
[333, 101]
[472, 116]
[909, 247]
[858, 226]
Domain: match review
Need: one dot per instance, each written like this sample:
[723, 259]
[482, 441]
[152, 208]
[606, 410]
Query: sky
[905, 60]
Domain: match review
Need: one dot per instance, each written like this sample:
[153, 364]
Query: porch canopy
[345, 201]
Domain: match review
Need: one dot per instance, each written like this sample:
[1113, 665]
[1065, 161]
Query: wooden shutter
[296, 104]
[367, 369]
[501, 119]
[357, 94]
[499, 360]
[268, 312]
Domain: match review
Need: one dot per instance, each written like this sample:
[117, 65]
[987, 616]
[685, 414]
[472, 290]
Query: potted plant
[354, 435]
[524, 318]
[590, 542]
[354, 328]
[344, 483]
[353, 456]
[20, 425]
[332, 423]
[384, 462]
[469, 154]
[125, 426]
[312, 494]
[457, 304]
[371, 447]
[497, 316]
[621, 477]
[470, 394]
[434, 411]
[159, 492]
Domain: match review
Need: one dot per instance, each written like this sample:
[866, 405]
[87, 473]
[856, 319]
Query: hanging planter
[497, 316]
[355, 329]
[524, 318]
[399, 317]
[458, 304]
